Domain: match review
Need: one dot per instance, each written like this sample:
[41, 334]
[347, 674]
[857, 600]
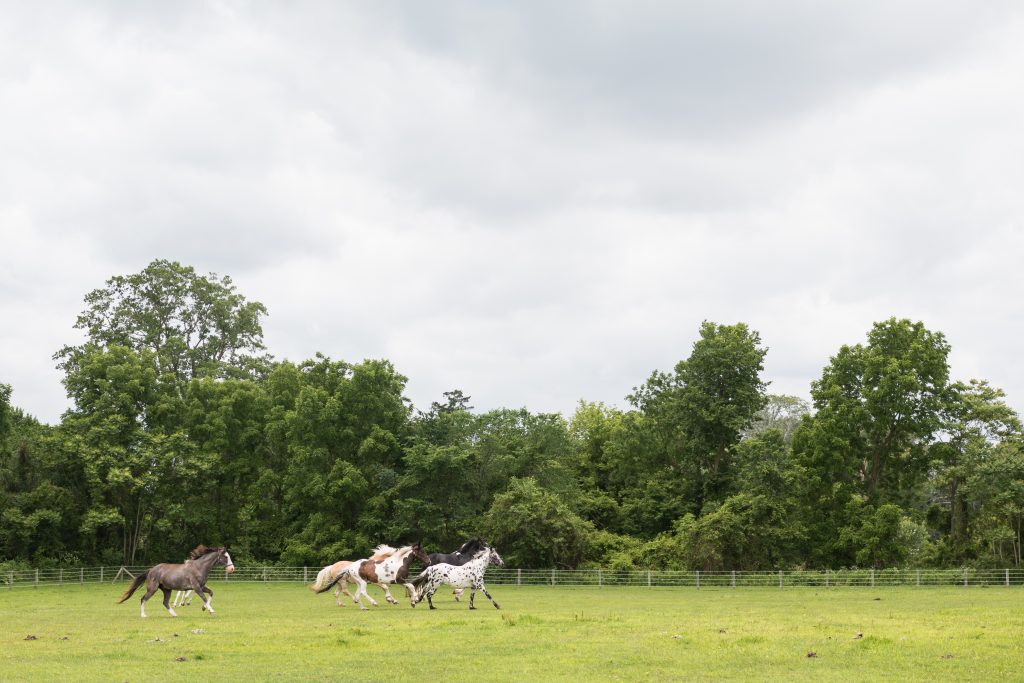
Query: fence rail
[34, 578]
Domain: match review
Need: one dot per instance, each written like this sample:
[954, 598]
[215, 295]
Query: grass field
[282, 632]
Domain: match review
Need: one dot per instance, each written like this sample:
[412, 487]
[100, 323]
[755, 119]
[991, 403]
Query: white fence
[581, 577]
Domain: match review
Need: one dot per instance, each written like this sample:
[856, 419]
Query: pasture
[282, 632]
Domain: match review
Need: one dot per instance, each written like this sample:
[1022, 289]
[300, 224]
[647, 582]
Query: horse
[393, 569]
[459, 558]
[190, 575]
[183, 598]
[469, 575]
[329, 572]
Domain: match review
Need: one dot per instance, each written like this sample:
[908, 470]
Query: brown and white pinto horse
[188, 576]
[381, 552]
[392, 569]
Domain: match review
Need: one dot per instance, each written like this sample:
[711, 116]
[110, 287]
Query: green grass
[282, 632]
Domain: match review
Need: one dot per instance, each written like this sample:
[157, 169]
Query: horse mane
[201, 550]
[471, 546]
[384, 551]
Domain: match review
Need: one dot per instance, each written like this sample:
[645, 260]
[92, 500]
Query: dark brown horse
[188, 576]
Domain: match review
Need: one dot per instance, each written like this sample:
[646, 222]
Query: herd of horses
[461, 569]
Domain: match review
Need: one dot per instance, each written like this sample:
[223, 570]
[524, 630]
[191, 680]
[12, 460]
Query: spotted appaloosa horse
[393, 569]
[459, 558]
[469, 575]
[331, 571]
[190, 575]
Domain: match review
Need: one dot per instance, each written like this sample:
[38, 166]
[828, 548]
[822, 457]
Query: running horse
[381, 552]
[392, 569]
[469, 575]
[188, 576]
[458, 558]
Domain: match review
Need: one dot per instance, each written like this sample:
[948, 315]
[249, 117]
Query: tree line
[183, 430]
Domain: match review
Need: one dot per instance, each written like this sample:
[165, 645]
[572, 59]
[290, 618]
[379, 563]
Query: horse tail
[139, 580]
[324, 575]
[330, 585]
[418, 581]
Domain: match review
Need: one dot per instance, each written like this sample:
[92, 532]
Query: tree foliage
[181, 431]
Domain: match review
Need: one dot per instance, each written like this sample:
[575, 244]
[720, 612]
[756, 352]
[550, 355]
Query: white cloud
[533, 204]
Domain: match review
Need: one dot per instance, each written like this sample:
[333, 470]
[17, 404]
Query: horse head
[494, 558]
[216, 555]
[418, 553]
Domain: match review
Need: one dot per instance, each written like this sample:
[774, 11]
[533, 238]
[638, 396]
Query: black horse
[459, 557]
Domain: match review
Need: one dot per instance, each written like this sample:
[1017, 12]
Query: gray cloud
[535, 203]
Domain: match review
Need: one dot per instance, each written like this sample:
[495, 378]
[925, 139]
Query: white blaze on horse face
[230, 565]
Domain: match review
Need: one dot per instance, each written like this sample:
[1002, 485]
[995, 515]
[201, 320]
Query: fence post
[12, 580]
[81, 575]
[1007, 576]
[780, 578]
[599, 578]
[552, 577]
[918, 578]
[101, 574]
[60, 576]
[826, 577]
[519, 577]
[965, 576]
[872, 578]
[733, 578]
[37, 578]
[305, 575]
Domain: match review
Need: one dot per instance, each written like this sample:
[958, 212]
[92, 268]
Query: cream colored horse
[331, 571]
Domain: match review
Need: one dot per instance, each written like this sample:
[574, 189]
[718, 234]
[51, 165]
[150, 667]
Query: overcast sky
[533, 202]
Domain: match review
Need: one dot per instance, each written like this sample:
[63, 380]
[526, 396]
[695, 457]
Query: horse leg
[149, 593]
[361, 590]
[410, 592]
[201, 590]
[483, 588]
[472, 594]
[167, 601]
[458, 593]
[343, 587]
[387, 594]
[431, 588]
[337, 594]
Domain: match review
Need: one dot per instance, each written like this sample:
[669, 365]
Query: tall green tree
[135, 471]
[702, 409]
[879, 406]
[976, 420]
[37, 511]
[149, 336]
[192, 325]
